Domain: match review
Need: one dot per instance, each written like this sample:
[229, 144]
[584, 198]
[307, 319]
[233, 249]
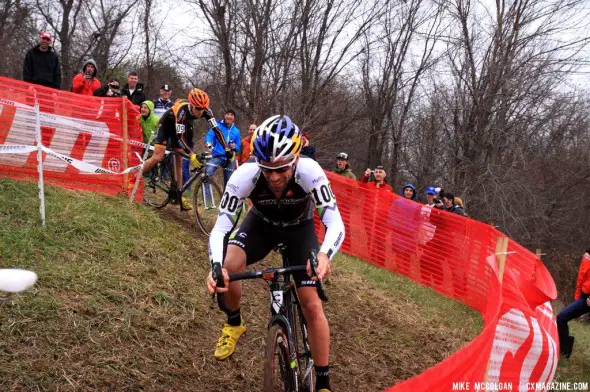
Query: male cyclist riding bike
[176, 126]
[282, 187]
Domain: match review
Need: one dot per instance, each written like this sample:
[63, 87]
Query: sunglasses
[280, 169]
[45, 39]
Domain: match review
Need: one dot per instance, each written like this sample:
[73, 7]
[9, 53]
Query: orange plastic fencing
[462, 259]
[102, 132]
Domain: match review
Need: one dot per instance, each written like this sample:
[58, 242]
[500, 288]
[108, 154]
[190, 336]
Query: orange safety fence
[86, 139]
[470, 262]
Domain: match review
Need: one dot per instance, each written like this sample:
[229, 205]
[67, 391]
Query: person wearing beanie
[41, 65]
[85, 83]
[409, 192]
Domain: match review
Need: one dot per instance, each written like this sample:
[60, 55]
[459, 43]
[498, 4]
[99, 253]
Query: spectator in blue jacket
[231, 134]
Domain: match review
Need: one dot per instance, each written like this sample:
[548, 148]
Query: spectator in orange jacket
[245, 153]
[578, 308]
[85, 82]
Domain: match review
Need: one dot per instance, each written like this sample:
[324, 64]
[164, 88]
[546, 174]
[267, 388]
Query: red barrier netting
[98, 131]
[459, 258]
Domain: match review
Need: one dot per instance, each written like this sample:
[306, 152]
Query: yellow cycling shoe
[226, 345]
[185, 205]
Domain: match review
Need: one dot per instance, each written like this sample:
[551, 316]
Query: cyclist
[176, 126]
[283, 186]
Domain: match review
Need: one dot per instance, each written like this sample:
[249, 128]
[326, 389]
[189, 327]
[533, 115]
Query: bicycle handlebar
[272, 273]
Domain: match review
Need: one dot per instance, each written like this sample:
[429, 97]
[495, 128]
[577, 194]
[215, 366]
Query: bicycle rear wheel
[206, 198]
[277, 369]
[157, 184]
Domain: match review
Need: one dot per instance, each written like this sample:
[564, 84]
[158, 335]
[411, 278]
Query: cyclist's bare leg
[235, 261]
[317, 324]
[158, 156]
[178, 171]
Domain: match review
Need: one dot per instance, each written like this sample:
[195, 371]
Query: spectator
[430, 196]
[342, 167]
[113, 89]
[451, 206]
[405, 220]
[149, 122]
[41, 65]
[307, 149]
[163, 103]
[579, 307]
[409, 192]
[133, 89]
[231, 135]
[85, 82]
[379, 182]
[245, 150]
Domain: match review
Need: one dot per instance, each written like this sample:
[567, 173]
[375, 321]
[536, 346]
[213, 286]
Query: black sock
[322, 377]
[234, 318]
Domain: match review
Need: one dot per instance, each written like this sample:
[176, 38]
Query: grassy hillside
[121, 305]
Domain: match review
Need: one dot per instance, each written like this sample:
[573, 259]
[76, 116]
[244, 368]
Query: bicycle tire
[305, 363]
[277, 370]
[157, 184]
[206, 208]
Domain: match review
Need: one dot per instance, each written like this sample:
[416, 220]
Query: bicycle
[161, 188]
[14, 280]
[288, 363]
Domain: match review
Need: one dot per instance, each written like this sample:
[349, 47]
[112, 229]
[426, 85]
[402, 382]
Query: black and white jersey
[308, 187]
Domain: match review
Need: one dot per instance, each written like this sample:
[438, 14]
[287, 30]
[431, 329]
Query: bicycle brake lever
[313, 262]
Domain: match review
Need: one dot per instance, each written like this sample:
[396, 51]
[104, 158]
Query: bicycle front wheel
[206, 198]
[277, 369]
[157, 184]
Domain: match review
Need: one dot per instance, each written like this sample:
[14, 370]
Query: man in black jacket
[41, 64]
[134, 90]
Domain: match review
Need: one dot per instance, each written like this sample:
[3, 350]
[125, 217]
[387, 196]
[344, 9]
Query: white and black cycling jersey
[308, 187]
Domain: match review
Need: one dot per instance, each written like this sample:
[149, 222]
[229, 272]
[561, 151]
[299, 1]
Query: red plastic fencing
[462, 259]
[100, 131]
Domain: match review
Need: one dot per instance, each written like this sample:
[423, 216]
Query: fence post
[39, 162]
[140, 172]
[501, 252]
[125, 135]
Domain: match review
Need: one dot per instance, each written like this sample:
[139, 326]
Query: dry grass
[120, 305]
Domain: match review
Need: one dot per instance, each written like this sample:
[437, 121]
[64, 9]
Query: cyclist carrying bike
[176, 126]
[283, 188]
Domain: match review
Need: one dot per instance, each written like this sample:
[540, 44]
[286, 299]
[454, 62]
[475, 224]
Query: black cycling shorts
[166, 134]
[257, 238]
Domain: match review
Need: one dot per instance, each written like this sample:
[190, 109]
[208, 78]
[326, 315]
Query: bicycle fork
[283, 316]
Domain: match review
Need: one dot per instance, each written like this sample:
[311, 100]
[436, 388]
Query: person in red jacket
[578, 308]
[85, 82]
[379, 182]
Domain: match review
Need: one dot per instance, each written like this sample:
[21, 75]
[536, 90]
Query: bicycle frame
[283, 297]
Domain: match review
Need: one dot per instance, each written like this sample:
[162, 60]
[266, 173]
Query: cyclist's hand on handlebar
[212, 285]
[195, 161]
[323, 269]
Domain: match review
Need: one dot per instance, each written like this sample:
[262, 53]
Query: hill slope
[120, 304]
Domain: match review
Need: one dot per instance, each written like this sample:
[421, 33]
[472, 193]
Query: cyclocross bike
[288, 365]
[160, 188]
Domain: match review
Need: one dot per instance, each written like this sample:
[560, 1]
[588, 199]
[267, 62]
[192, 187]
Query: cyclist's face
[277, 179]
[198, 113]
